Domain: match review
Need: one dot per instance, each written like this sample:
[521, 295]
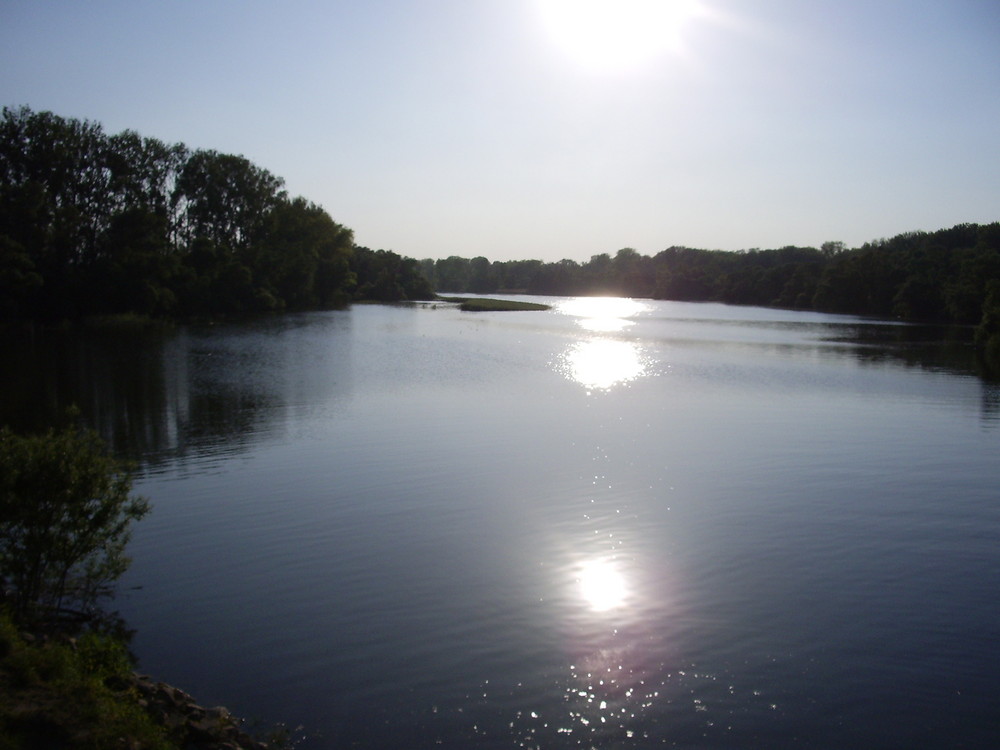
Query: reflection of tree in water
[113, 376]
[170, 394]
[991, 403]
[153, 394]
[948, 349]
[930, 347]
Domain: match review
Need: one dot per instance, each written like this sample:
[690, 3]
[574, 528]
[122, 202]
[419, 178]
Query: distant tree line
[951, 275]
[92, 224]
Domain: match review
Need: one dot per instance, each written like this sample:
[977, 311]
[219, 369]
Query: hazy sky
[546, 129]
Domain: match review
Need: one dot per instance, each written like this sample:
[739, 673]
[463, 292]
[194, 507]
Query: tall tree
[225, 199]
[303, 256]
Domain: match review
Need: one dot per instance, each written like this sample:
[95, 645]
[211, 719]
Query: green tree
[831, 248]
[65, 516]
[687, 274]
[561, 277]
[224, 198]
[18, 278]
[633, 273]
[135, 270]
[482, 279]
[517, 275]
[385, 276]
[303, 256]
[598, 273]
[452, 274]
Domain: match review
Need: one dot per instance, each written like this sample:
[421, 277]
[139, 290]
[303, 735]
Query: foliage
[97, 224]
[306, 256]
[70, 693]
[65, 512]
[384, 276]
[94, 224]
[942, 276]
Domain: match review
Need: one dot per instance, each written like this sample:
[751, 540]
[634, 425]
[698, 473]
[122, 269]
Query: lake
[616, 523]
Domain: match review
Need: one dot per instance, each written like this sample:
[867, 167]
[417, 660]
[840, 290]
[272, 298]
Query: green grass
[70, 694]
[481, 304]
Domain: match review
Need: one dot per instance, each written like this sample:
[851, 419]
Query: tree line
[949, 276]
[92, 223]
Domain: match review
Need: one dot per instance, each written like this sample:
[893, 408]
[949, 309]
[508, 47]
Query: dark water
[614, 524]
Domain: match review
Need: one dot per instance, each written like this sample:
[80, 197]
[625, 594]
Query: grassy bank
[481, 304]
[70, 692]
[58, 691]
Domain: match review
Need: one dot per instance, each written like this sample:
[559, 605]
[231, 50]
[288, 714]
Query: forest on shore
[99, 224]
[942, 276]
[948, 276]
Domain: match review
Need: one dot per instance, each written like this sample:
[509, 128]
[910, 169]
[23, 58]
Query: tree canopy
[92, 223]
[943, 276]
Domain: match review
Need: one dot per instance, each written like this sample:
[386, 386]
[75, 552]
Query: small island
[483, 304]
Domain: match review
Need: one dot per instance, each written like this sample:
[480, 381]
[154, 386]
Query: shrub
[62, 693]
[65, 512]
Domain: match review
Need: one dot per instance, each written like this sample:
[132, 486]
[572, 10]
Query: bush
[65, 512]
[66, 693]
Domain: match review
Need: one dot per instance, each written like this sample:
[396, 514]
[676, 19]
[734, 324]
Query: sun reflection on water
[602, 585]
[603, 362]
[602, 308]
[626, 666]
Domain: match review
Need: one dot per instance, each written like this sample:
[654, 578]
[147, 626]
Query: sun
[615, 35]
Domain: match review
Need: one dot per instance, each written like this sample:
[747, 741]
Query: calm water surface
[612, 524]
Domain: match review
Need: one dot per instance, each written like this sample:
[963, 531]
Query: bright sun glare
[602, 585]
[604, 363]
[612, 35]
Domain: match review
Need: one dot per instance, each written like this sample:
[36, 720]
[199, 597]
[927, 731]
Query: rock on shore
[194, 727]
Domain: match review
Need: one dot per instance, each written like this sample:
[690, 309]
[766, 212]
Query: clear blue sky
[516, 129]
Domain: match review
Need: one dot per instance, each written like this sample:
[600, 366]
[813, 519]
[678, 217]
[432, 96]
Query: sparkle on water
[602, 585]
[601, 361]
